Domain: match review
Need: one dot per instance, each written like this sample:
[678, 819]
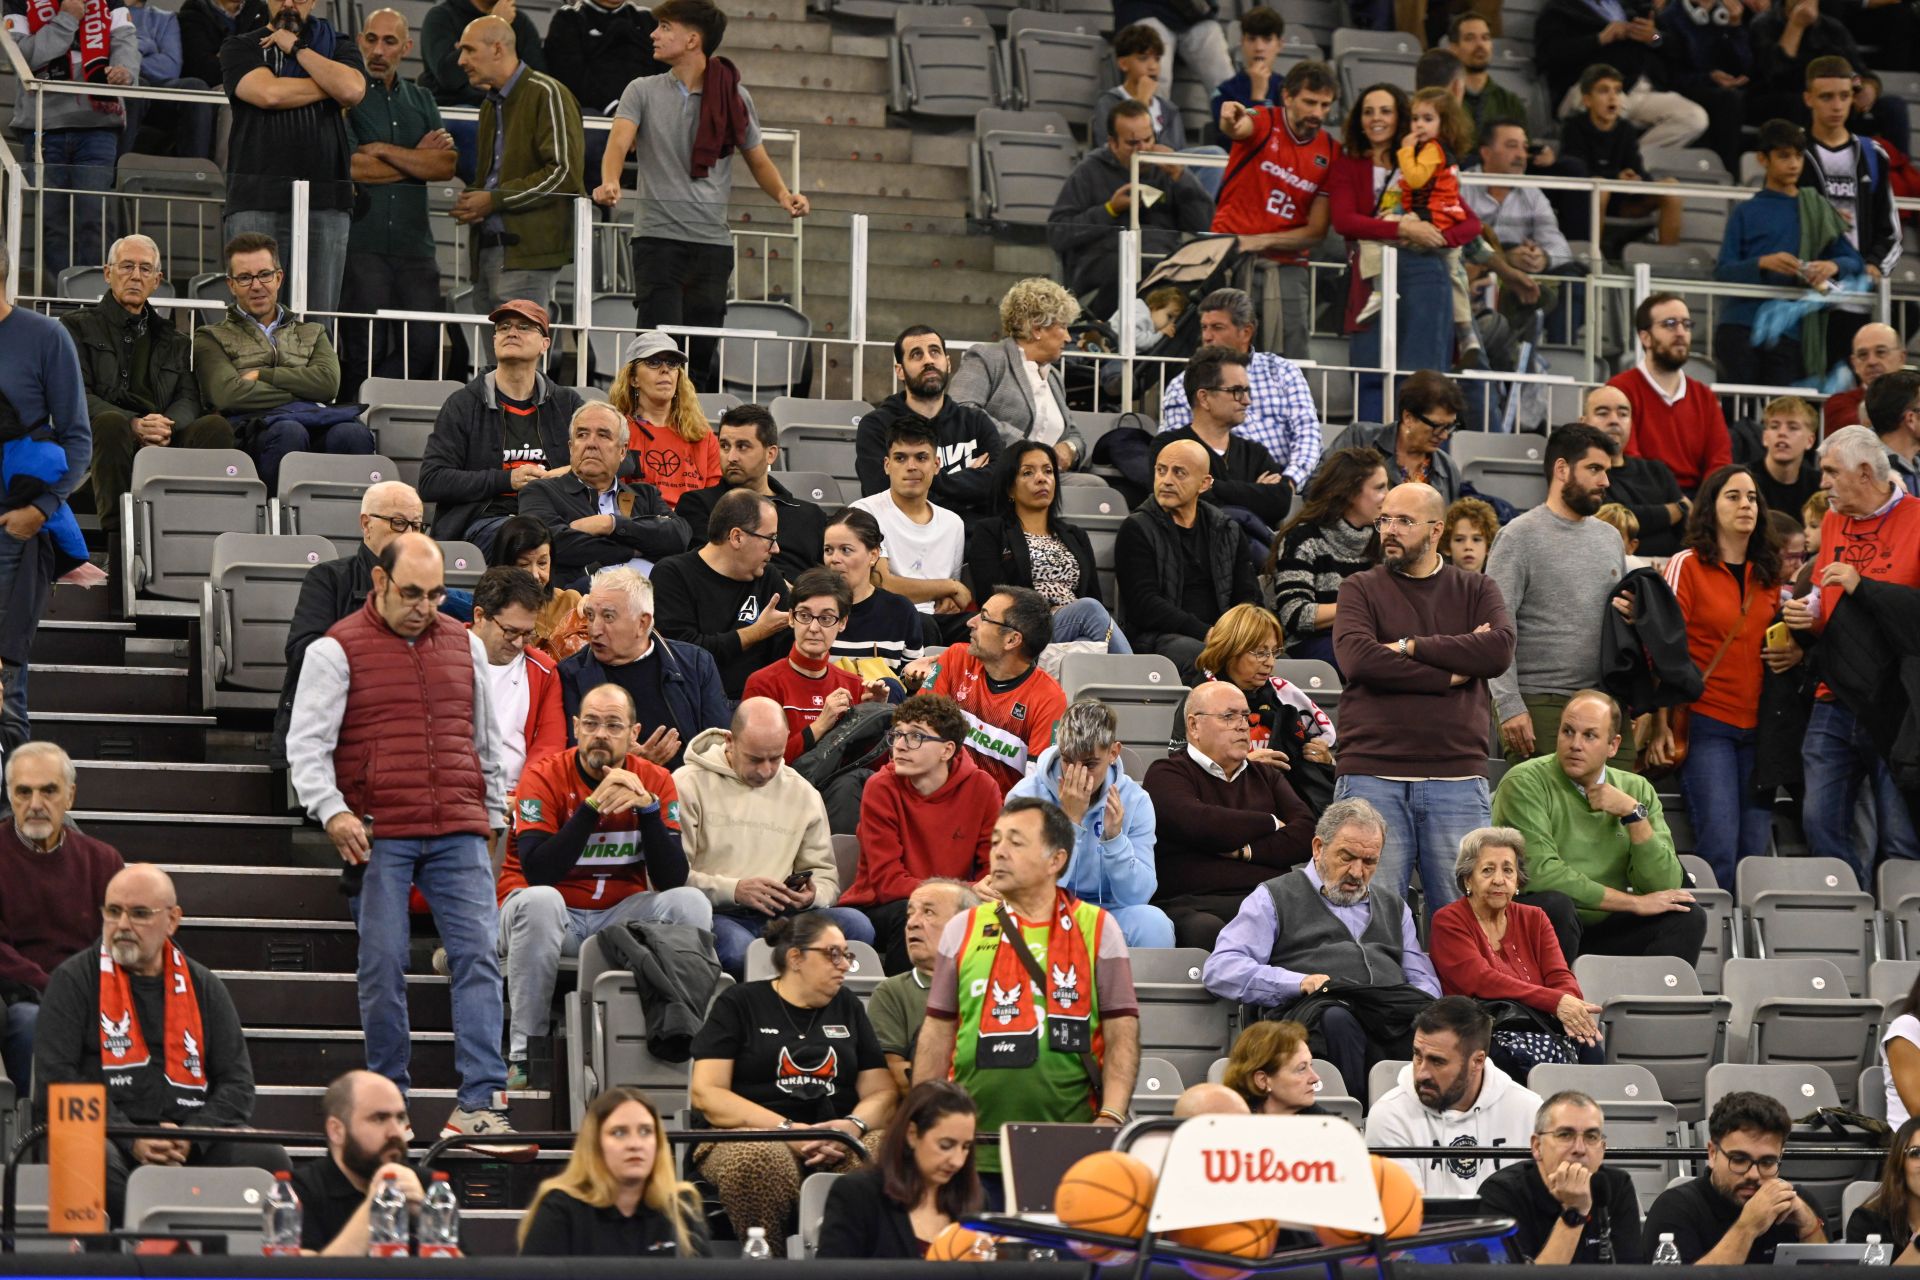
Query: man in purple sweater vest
[1417, 640]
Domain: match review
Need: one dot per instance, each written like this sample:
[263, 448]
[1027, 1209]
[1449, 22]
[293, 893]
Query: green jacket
[542, 167]
[106, 334]
[1578, 850]
[298, 363]
[1497, 103]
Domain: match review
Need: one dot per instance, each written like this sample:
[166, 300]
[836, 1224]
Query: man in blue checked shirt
[1281, 414]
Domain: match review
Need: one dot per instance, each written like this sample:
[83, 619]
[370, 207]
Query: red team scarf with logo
[123, 1046]
[1008, 1011]
[87, 60]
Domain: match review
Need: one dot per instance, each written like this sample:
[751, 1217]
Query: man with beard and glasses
[1450, 1095]
[1740, 1210]
[596, 843]
[290, 87]
[131, 1012]
[964, 436]
[1417, 640]
[1676, 418]
[749, 451]
[367, 1134]
[1569, 1205]
[1555, 567]
[1324, 946]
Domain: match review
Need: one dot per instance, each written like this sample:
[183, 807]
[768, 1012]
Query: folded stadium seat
[1332, 387]
[1686, 164]
[872, 10]
[1637, 1116]
[1873, 1092]
[1094, 506]
[1657, 1020]
[1019, 162]
[1317, 679]
[1507, 466]
[320, 493]
[81, 284]
[1517, 19]
[866, 972]
[179, 501]
[846, 860]
[760, 367]
[449, 237]
[1382, 1077]
[1180, 1020]
[1854, 1195]
[946, 62]
[817, 487]
[1691, 261]
[825, 450]
[251, 589]
[613, 325]
[1296, 47]
[805, 411]
[607, 1038]
[1800, 907]
[1317, 20]
[1898, 884]
[1156, 1088]
[1056, 62]
[1099, 12]
[1889, 981]
[805, 1243]
[401, 412]
[177, 201]
[1141, 688]
[1361, 58]
[1798, 1011]
[163, 1198]
[1725, 922]
[715, 403]
[465, 564]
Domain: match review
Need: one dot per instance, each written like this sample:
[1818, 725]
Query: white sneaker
[1371, 310]
[487, 1121]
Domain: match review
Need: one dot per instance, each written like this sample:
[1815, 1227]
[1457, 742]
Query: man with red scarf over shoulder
[1046, 1028]
[159, 1030]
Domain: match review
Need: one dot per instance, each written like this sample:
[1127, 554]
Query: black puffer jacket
[997, 554]
[1151, 574]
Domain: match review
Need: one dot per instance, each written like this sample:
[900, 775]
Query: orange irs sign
[77, 1158]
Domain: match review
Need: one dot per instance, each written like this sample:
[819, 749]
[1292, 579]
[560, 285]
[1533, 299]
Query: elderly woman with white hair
[1504, 953]
[1017, 381]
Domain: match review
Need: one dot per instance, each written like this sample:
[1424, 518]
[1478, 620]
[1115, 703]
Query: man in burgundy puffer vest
[393, 747]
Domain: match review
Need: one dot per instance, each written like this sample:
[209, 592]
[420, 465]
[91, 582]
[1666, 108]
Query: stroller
[1197, 268]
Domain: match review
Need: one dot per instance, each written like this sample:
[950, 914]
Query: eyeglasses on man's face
[401, 524]
[113, 912]
[1399, 524]
[1675, 324]
[1440, 429]
[907, 738]
[1592, 1137]
[252, 278]
[1242, 392]
[1741, 1161]
[614, 728]
[1230, 717]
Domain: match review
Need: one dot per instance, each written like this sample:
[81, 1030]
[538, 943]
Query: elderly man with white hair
[138, 368]
[597, 519]
[1871, 534]
[675, 687]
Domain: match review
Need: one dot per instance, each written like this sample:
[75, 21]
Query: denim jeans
[1426, 330]
[1839, 756]
[326, 250]
[1717, 780]
[456, 878]
[537, 927]
[1088, 619]
[1425, 821]
[77, 159]
[270, 445]
[734, 931]
[1142, 924]
[14, 725]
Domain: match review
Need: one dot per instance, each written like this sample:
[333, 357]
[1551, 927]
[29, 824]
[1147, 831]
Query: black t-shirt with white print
[802, 1063]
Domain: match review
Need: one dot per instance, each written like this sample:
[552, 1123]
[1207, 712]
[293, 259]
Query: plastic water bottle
[440, 1220]
[387, 1221]
[1877, 1254]
[756, 1249]
[1666, 1253]
[281, 1212]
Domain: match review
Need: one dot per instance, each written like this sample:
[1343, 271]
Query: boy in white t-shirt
[923, 546]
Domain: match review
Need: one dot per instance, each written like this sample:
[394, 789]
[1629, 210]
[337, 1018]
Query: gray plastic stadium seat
[1898, 884]
[1331, 1081]
[758, 369]
[401, 412]
[179, 501]
[1361, 58]
[465, 564]
[1180, 1020]
[1798, 1011]
[1020, 160]
[1656, 1018]
[163, 1198]
[1156, 1088]
[1098, 12]
[1855, 1195]
[607, 1038]
[946, 62]
[251, 588]
[184, 215]
[1799, 1087]
[1317, 679]
[1507, 466]
[1382, 1077]
[813, 1208]
[865, 974]
[1637, 1116]
[1094, 506]
[1217, 1071]
[1724, 938]
[715, 403]
[846, 860]
[1058, 62]
[817, 487]
[1891, 980]
[823, 449]
[82, 284]
[1687, 164]
[1799, 907]
[613, 325]
[1142, 689]
[1872, 1092]
[320, 494]
[805, 411]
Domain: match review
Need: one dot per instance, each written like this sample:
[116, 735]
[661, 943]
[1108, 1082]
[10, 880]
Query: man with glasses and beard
[1568, 1205]
[596, 843]
[1246, 478]
[965, 440]
[1676, 419]
[1555, 567]
[1740, 1210]
[749, 453]
[1418, 639]
[367, 1134]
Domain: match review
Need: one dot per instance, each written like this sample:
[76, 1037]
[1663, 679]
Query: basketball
[1401, 1206]
[1109, 1192]
[956, 1243]
[1244, 1239]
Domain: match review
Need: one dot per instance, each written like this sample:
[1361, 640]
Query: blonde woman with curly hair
[618, 1196]
[1017, 381]
[673, 448]
[1285, 725]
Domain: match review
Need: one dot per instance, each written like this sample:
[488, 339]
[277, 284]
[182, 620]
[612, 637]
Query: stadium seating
[1505, 466]
[401, 412]
[1362, 58]
[179, 501]
[606, 1037]
[946, 62]
[1156, 1088]
[805, 1243]
[1143, 689]
[1656, 1018]
[251, 588]
[161, 1198]
[1798, 1011]
[817, 487]
[320, 494]
[1637, 1116]
[1724, 922]
[1056, 62]
[1019, 162]
[863, 975]
[1181, 1022]
[1811, 907]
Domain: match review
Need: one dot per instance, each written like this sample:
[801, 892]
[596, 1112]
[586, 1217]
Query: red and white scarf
[1069, 973]
[92, 48]
[123, 1044]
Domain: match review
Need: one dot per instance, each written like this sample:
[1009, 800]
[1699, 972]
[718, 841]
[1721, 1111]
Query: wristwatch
[1402, 647]
[1639, 814]
[1573, 1217]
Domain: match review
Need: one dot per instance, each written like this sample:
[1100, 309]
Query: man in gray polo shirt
[682, 251]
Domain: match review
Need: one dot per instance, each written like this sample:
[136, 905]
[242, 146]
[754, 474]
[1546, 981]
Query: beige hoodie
[732, 831]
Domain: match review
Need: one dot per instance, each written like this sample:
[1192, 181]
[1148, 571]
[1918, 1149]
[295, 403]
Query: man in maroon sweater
[1417, 640]
[1227, 825]
[55, 880]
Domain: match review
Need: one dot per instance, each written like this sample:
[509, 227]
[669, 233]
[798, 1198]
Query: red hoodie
[906, 837]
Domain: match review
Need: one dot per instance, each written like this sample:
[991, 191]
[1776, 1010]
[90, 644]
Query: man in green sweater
[1597, 843]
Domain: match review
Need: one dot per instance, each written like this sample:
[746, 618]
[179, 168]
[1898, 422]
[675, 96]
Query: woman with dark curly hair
[1727, 579]
[1330, 539]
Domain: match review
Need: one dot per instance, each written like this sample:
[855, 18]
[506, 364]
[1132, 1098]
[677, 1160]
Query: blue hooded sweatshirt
[1108, 869]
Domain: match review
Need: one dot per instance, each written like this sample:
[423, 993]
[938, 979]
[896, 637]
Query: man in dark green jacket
[139, 374]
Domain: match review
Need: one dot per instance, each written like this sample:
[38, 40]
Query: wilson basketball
[1109, 1192]
[955, 1243]
[1401, 1205]
[1242, 1239]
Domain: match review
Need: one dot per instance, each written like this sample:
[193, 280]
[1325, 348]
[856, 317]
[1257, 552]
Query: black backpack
[840, 763]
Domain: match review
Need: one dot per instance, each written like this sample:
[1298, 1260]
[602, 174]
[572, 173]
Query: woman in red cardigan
[1363, 176]
[1487, 946]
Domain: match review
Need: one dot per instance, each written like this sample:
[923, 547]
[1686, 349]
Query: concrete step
[330, 1000]
[881, 178]
[145, 785]
[293, 1055]
[294, 1106]
[765, 10]
[270, 944]
[833, 143]
[71, 602]
[776, 35]
[107, 735]
[90, 687]
[832, 209]
[291, 893]
[825, 71]
[213, 839]
[793, 106]
[922, 284]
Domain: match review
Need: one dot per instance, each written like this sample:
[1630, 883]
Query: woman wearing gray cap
[673, 448]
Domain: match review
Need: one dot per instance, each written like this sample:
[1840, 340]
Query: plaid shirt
[1280, 414]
